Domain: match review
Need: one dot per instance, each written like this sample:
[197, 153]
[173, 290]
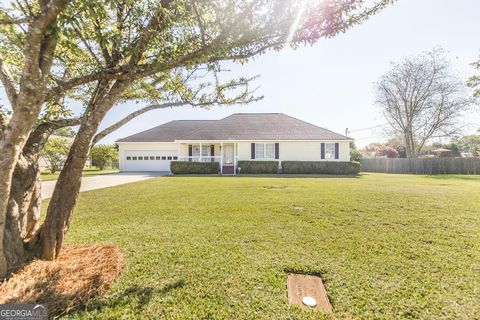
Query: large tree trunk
[65, 195]
[23, 212]
[39, 46]
[12, 140]
[24, 204]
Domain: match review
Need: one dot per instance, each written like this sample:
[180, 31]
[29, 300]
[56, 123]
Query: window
[259, 151]
[264, 151]
[205, 151]
[145, 158]
[129, 158]
[140, 158]
[195, 150]
[329, 150]
[175, 158]
[134, 158]
[164, 158]
[152, 158]
[169, 157]
[270, 151]
[157, 158]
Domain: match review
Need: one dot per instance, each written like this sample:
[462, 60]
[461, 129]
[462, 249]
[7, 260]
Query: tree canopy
[104, 52]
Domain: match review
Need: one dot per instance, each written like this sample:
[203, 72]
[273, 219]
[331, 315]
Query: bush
[355, 155]
[320, 167]
[102, 155]
[258, 166]
[55, 153]
[187, 167]
[388, 152]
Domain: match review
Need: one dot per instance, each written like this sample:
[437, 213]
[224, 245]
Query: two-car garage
[147, 157]
[148, 160]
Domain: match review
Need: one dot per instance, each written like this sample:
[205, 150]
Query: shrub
[187, 167]
[388, 152]
[258, 166]
[55, 153]
[102, 155]
[320, 167]
[355, 155]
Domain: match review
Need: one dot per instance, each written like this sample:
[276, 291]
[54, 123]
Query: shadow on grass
[136, 297]
[281, 176]
[306, 271]
[454, 177]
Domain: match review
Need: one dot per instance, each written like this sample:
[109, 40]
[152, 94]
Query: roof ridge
[312, 124]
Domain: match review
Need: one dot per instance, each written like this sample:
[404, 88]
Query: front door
[229, 154]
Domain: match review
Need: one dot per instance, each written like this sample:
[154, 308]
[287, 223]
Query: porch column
[234, 158]
[221, 157]
[178, 150]
[200, 152]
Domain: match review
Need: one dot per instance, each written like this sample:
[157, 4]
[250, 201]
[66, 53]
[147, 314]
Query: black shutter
[277, 151]
[337, 155]
[212, 150]
[190, 150]
[322, 150]
[252, 156]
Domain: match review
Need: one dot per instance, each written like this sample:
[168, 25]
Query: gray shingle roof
[238, 126]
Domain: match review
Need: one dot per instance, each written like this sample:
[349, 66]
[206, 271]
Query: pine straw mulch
[80, 273]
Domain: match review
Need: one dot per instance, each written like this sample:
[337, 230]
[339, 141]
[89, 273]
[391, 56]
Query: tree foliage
[469, 144]
[474, 81]
[100, 53]
[388, 152]
[55, 152]
[65, 132]
[421, 99]
[102, 155]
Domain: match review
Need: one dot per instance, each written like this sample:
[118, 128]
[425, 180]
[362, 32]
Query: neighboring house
[241, 136]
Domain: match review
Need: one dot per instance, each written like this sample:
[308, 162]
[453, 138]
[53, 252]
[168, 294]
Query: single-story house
[241, 136]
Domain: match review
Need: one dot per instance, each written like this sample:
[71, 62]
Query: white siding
[297, 150]
[289, 150]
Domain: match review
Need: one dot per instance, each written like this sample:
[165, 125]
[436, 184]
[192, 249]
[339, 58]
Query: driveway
[104, 181]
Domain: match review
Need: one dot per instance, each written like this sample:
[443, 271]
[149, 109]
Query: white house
[241, 136]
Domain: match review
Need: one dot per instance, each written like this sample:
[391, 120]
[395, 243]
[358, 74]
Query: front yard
[387, 246]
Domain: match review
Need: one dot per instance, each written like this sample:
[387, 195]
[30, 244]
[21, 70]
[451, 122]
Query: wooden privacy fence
[422, 165]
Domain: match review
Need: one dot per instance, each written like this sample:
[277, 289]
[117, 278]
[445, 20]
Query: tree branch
[102, 134]
[8, 83]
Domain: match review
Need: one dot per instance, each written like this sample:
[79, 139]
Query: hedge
[258, 166]
[320, 167]
[187, 167]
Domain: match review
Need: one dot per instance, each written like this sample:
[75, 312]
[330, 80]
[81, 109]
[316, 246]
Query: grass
[47, 176]
[387, 246]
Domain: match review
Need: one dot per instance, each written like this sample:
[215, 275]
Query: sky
[331, 84]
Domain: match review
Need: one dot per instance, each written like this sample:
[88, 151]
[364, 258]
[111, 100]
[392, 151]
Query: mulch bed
[80, 273]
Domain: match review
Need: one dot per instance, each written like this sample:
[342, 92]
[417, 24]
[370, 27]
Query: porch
[225, 153]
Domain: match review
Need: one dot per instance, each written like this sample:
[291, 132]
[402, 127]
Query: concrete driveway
[104, 181]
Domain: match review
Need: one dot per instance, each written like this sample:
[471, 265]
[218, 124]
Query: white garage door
[137, 160]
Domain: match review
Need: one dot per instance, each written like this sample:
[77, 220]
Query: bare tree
[422, 99]
[474, 81]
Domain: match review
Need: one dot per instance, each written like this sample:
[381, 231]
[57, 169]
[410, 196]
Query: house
[241, 136]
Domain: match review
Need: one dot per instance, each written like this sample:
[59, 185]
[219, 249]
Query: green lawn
[387, 246]
[47, 176]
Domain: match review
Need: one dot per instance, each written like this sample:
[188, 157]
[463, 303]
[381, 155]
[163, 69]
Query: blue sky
[331, 83]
